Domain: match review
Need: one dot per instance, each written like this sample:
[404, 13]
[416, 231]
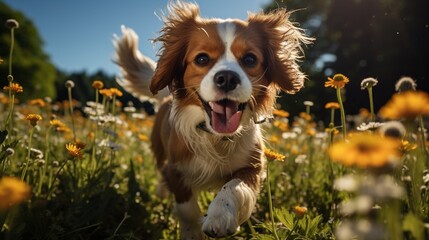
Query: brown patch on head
[282, 48]
[178, 26]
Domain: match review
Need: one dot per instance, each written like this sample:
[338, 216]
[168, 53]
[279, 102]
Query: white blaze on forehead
[227, 62]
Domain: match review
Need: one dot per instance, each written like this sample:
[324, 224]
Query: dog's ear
[284, 48]
[174, 38]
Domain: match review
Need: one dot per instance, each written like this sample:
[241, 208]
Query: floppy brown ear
[174, 42]
[284, 48]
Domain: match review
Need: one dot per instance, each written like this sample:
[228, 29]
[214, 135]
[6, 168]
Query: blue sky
[78, 34]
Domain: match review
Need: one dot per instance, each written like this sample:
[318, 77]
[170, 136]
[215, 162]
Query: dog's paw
[221, 219]
[191, 233]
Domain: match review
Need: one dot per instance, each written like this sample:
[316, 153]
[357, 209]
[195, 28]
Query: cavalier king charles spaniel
[215, 81]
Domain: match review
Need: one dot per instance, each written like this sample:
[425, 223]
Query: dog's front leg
[189, 215]
[233, 204]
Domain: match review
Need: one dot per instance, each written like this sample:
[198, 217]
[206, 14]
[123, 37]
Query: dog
[215, 81]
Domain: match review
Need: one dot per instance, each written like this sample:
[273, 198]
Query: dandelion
[13, 192]
[300, 211]
[14, 88]
[74, 151]
[143, 137]
[305, 116]
[116, 92]
[393, 129]
[97, 84]
[365, 150]
[106, 92]
[69, 84]
[367, 84]
[405, 84]
[408, 105]
[332, 105]
[33, 118]
[37, 102]
[271, 155]
[283, 126]
[338, 82]
[12, 23]
[281, 113]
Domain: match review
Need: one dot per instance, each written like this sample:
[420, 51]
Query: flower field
[72, 170]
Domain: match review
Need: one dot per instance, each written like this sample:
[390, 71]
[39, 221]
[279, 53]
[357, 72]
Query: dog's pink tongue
[225, 116]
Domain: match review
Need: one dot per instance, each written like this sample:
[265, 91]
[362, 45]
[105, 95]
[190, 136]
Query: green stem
[12, 43]
[371, 104]
[422, 136]
[51, 187]
[42, 175]
[71, 112]
[295, 224]
[24, 171]
[270, 204]
[343, 115]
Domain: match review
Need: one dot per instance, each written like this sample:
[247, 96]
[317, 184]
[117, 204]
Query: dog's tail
[136, 69]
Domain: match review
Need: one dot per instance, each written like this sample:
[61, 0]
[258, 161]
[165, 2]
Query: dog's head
[227, 67]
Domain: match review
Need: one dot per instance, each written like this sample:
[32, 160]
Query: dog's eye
[202, 59]
[249, 60]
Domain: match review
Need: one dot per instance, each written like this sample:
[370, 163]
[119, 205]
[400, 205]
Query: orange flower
[408, 104]
[116, 92]
[74, 151]
[37, 102]
[97, 84]
[14, 88]
[300, 211]
[332, 105]
[338, 81]
[365, 150]
[271, 155]
[280, 113]
[33, 118]
[12, 192]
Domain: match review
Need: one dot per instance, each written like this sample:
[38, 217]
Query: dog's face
[227, 68]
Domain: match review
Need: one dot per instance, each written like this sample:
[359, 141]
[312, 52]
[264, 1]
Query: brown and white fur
[223, 76]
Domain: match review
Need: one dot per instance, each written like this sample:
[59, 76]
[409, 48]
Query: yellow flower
[332, 105]
[271, 155]
[74, 151]
[305, 116]
[283, 126]
[338, 81]
[116, 92]
[406, 146]
[33, 118]
[143, 137]
[97, 84]
[408, 104]
[12, 192]
[300, 211]
[106, 92]
[1, 60]
[14, 88]
[365, 150]
[280, 113]
[37, 102]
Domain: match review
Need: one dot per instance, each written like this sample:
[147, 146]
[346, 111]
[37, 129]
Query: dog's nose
[226, 80]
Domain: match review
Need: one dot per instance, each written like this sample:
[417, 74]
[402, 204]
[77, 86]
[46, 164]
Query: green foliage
[32, 68]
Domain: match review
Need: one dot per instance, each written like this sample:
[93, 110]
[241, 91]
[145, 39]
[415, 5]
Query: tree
[32, 68]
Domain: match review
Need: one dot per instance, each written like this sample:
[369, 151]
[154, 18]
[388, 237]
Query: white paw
[221, 219]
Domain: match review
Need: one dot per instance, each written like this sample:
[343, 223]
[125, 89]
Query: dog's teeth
[211, 104]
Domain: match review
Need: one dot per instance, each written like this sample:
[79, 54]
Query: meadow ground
[73, 170]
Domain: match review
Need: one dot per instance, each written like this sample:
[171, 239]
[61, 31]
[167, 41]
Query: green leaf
[312, 227]
[285, 217]
[414, 225]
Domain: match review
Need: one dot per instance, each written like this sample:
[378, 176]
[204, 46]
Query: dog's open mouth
[225, 115]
